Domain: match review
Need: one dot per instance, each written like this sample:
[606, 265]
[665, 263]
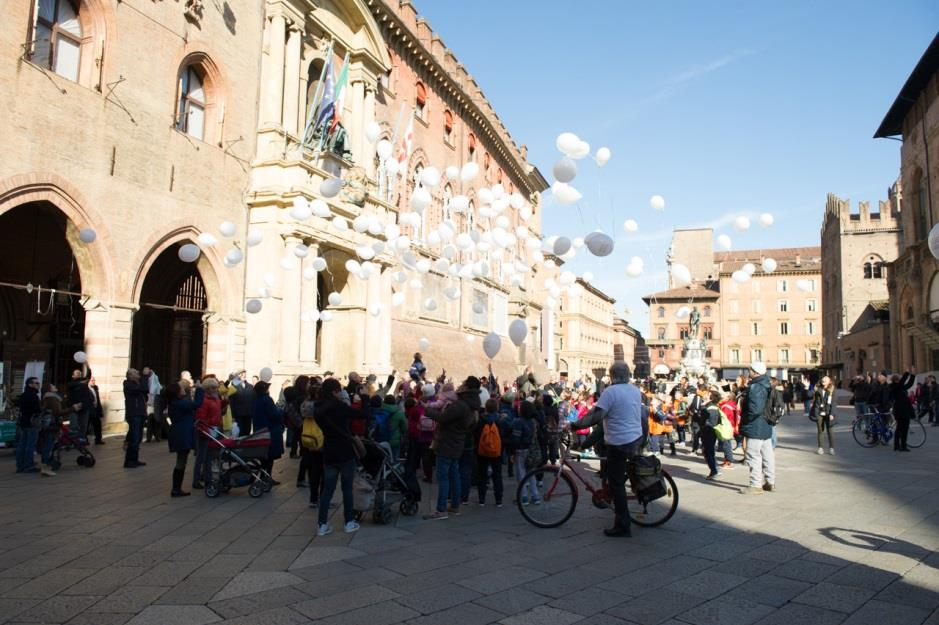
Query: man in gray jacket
[454, 424]
[758, 432]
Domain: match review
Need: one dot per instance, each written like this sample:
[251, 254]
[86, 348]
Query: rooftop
[928, 65]
[707, 290]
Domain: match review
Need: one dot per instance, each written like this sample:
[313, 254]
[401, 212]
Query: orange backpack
[490, 442]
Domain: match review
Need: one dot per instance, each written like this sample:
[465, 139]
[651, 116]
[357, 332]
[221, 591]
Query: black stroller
[391, 485]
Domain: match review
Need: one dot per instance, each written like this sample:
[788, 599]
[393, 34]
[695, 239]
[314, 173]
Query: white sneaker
[324, 530]
[351, 527]
[831, 451]
[820, 451]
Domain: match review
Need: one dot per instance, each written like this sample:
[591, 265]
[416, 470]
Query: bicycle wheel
[917, 434]
[863, 431]
[658, 511]
[553, 503]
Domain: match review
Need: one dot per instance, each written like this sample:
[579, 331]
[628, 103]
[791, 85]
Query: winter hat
[758, 367]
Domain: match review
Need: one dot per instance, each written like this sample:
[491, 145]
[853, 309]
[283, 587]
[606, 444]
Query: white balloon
[80, 357]
[430, 177]
[319, 264]
[309, 273]
[630, 225]
[416, 284]
[384, 149]
[498, 190]
[683, 312]
[423, 344]
[742, 223]
[657, 202]
[766, 220]
[469, 172]
[392, 167]
[492, 344]
[392, 231]
[287, 263]
[398, 298]
[330, 187]
[253, 306]
[207, 239]
[583, 149]
[423, 265]
[353, 266]
[485, 196]
[430, 304]
[567, 278]
[314, 315]
[637, 260]
[750, 268]
[452, 293]
[681, 275]
[516, 200]
[326, 315]
[740, 276]
[400, 277]
[565, 170]
[464, 241]
[340, 223]
[518, 330]
[234, 256]
[567, 143]
[189, 253]
[634, 271]
[372, 131]
[266, 374]
[448, 252]
[374, 310]
[433, 238]
[479, 308]
[724, 242]
[562, 246]
[452, 172]
[375, 226]
[300, 210]
[360, 223]
[364, 252]
[769, 265]
[603, 156]
[334, 299]
[300, 250]
[227, 229]
[442, 265]
[587, 276]
[320, 208]
[565, 194]
[459, 203]
[804, 285]
[87, 235]
[599, 243]
[402, 243]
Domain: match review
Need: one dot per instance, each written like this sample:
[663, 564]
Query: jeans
[824, 423]
[26, 449]
[708, 440]
[482, 477]
[617, 458]
[761, 459]
[772, 438]
[861, 408]
[728, 448]
[46, 443]
[807, 405]
[467, 469]
[134, 436]
[201, 468]
[527, 489]
[78, 423]
[448, 482]
[334, 472]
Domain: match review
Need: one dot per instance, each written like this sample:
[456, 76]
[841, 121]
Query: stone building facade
[856, 249]
[585, 332]
[668, 328]
[136, 121]
[913, 279]
[626, 341]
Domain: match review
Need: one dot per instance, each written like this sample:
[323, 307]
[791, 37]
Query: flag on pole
[328, 102]
[406, 144]
[340, 93]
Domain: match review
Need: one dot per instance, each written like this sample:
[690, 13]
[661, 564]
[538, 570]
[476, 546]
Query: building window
[810, 305]
[734, 305]
[813, 355]
[707, 311]
[448, 127]
[734, 328]
[661, 353]
[500, 313]
[756, 355]
[708, 334]
[480, 302]
[756, 285]
[783, 328]
[755, 326]
[471, 145]
[420, 101]
[57, 37]
[735, 356]
[868, 271]
[661, 333]
[783, 305]
[661, 312]
[782, 286]
[810, 328]
[190, 114]
[878, 270]
[784, 356]
[757, 306]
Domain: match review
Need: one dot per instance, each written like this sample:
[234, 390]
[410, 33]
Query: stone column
[308, 303]
[107, 343]
[373, 331]
[369, 115]
[290, 308]
[357, 127]
[274, 81]
[292, 79]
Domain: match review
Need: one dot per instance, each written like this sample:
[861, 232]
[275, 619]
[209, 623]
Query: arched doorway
[169, 333]
[36, 325]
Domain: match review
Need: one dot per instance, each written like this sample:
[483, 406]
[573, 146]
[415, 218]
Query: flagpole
[317, 97]
[319, 146]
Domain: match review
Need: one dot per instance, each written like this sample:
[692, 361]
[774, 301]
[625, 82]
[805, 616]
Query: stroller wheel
[256, 489]
[266, 485]
[211, 489]
[383, 515]
[80, 460]
[409, 507]
[89, 462]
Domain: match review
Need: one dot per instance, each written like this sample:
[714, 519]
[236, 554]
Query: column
[308, 303]
[357, 128]
[290, 308]
[369, 162]
[292, 79]
[274, 81]
[107, 343]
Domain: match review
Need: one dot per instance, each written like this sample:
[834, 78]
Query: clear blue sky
[723, 108]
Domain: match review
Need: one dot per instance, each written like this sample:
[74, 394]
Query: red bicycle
[558, 494]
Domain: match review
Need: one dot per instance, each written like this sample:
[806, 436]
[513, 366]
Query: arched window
[447, 196]
[448, 126]
[707, 311]
[471, 145]
[420, 99]
[661, 312]
[190, 114]
[660, 333]
[868, 272]
[879, 269]
[313, 75]
[57, 39]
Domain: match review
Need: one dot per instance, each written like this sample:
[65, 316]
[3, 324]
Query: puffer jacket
[752, 423]
[454, 423]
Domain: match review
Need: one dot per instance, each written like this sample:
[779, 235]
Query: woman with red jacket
[208, 415]
[729, 407]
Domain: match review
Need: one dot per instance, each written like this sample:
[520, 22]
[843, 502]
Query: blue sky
[723, 108]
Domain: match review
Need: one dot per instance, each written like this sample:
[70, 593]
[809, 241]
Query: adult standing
[333, 416]
[625, 428]
[267, 415]
[758, 432]
[526, 382]
[136, 390]
[97, 413]
[710, 419]
[155, 429]
[242, 402]
[822, 404]
[182, 413]
[898, 393]
[79, 393]
[860, 391]
[932, 390]
[28, 427]
[311, 460]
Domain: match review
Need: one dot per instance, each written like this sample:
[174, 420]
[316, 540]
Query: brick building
[585, 331]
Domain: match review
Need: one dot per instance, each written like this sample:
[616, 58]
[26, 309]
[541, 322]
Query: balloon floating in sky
[766, 220]
[430, 177]
[227, 229]
[750, 268]
[384, 149]
[740, 276]
[657, 202]
[423, 344]
[630, 225]
[491, 345]
[80, 357]
[769, 265]
[207, 239]
[565, 170]
[742, 223]
[724, 242]
[254, 237]
[683, 313]
[330, 187]
[599, 243]
[603, 156]
[804, 285]
[469, 172]
[518, 330]
[266, 374]
[681, 275]
[565, 194]
[334, 299]
[372, 131]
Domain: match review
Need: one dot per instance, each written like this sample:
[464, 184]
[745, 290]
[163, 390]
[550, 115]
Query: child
[490, 437]
[417, 369]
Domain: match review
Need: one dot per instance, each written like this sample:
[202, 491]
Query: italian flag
[340, 94]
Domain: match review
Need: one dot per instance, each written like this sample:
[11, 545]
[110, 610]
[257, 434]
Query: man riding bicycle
[624, 432]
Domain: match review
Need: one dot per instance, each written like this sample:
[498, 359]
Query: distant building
[626, 340]
[856, 248]
[913, 279]
[585, 332]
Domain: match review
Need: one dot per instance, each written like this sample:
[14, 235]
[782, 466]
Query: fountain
[694, 364]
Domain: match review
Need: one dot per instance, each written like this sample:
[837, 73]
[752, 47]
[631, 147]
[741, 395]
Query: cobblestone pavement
[845, 539]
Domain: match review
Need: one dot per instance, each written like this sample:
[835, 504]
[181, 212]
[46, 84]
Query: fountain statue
[694, 364]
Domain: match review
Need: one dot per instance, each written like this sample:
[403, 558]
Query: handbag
[724, 430]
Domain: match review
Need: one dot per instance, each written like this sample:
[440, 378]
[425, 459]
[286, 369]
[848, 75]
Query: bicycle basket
[647, 476]
[646, 465]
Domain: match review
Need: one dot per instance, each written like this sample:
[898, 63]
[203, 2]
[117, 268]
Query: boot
[47, 471]
[178, 484]
[620, 527]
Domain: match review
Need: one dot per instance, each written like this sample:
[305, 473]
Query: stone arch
[94, 261]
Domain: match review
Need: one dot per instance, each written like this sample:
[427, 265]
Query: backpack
[774, 408]
[724, 430]
[427, 424]
[381, 432]
[490, 441]
[311, 436]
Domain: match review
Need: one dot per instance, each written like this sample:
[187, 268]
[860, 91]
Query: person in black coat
[182, 414]
[898, 392]
[266, 415]
[136, 391]
[333, 416]
[29, 406]
[97, 413]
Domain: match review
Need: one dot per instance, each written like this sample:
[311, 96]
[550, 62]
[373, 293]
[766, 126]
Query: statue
[694, 321]
[354, 186]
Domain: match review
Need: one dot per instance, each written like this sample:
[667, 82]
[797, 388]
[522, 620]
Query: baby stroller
[388, 483]
[67, 441]
[236, 462]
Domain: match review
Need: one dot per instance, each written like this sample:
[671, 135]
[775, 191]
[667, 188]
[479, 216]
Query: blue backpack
[381, 432]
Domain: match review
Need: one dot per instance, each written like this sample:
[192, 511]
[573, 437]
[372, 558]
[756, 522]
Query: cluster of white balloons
[565, 169]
